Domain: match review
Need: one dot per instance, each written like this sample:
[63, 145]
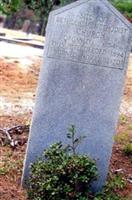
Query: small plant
[8, 166]
[111, 187]
[130, 127]
[123, 119]
[122, 137]
[127, 149]
[115, 182]
[3, 171]
[126, 141]
[109, 196]
[62, 174]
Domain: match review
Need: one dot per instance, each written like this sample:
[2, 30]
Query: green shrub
[62, 174]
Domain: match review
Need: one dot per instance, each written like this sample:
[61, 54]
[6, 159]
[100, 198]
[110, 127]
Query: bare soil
[17, 91]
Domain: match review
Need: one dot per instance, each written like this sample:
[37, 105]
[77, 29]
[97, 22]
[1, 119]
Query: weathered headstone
[2, 20]
[26, 26]
[81, 81]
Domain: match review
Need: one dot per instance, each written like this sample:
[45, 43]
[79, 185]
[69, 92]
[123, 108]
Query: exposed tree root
[7, 135]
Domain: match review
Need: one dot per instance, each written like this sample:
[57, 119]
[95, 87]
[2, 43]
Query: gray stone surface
[81, 81]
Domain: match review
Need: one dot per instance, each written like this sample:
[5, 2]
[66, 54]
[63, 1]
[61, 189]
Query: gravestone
[26, 26]
[82, 80]
[2, 20]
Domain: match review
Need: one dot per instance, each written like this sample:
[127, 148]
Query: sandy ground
[19, 68]
[126, 106]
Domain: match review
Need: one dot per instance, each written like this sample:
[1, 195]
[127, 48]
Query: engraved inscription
[89, 38]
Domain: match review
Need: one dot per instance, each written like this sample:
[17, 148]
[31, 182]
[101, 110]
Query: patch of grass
[127, 198]
[125, 140]
[7, 167]
[111, 196]
[122, 137]
[123, 119]
[115, 182]
[3, 171]
[8, 164]
[127, 149]
[109, 192]
[129, 127]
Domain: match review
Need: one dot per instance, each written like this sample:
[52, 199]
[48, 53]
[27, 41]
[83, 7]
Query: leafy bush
[62, 174]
